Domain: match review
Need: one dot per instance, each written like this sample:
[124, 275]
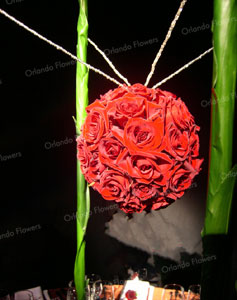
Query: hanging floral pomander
[139, 147]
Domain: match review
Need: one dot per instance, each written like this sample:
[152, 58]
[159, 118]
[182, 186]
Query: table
[156, 296]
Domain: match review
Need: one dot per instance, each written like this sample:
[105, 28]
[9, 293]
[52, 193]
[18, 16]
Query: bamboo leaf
[83, 196]
[218, 211]
[221, 180]
[222, 176]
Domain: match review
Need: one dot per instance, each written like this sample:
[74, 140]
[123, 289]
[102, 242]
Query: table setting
[136, 289]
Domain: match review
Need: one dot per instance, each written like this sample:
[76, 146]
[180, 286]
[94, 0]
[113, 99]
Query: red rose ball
[139, 147]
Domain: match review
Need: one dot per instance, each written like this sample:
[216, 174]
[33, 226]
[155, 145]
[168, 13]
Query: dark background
[38, 187]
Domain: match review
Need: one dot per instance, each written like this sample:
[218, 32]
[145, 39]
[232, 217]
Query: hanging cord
[173, 23]
[108, 61]
[59, 48]
[183, 68]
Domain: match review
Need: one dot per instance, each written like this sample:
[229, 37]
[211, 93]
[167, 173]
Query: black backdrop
[38, 149]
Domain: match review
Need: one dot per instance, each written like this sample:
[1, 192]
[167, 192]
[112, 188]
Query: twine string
[59, 48]
[168, 35]
[183, 68]
[108, 61]
[106, 58]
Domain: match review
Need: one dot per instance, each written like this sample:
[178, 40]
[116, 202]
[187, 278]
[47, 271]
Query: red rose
[144, 191]
[182, 177]
[82, 155]
[161, 203]
[155, 111]
[179, 182]
[97, 104]
[139, 147]
[194, 141]
[109, 150]
[131, 295]
[141, 90]
[93, 128]
[95, 168]
[164, 98]
[181, 115]
[196, 165]
[114, 186]
[143, 168]
[130, 106]
[126, 107]
[133, 205]
[113, 94]
[177, 142]
[141, 135]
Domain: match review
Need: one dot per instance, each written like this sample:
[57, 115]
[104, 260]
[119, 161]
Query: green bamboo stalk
[83, 196]
[221, 174]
